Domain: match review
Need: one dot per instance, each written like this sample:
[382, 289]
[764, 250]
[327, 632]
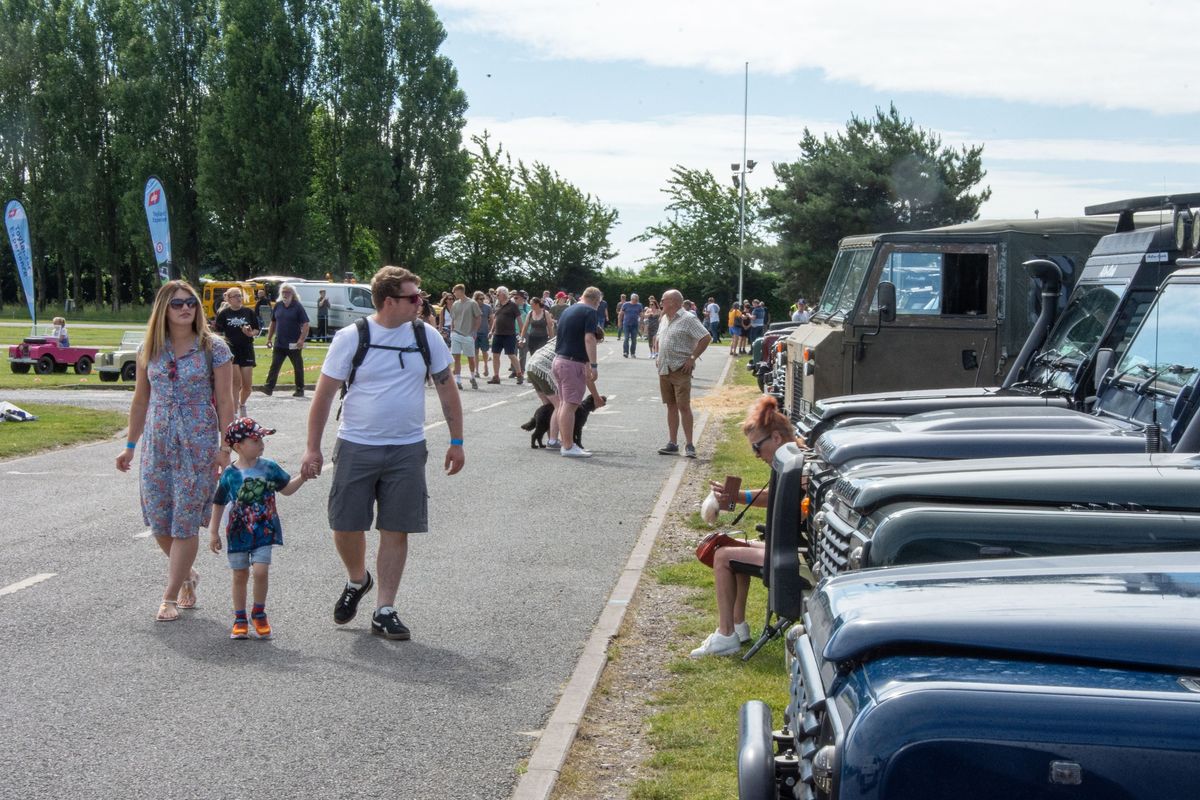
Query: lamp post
[740, 171]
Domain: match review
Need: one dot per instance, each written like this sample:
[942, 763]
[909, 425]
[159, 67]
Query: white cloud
[1062, 53]
[626, 164]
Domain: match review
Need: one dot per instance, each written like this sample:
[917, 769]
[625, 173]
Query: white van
[347, 302]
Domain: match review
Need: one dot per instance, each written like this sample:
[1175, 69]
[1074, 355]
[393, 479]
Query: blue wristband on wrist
[130, 445]
[749, 499]
[457, 442]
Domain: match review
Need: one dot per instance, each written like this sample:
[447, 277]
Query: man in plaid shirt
[681, 339]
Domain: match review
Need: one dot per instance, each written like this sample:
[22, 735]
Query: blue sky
[1075, 103]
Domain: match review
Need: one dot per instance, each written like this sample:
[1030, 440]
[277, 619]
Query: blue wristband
[749, 499]
[130, 445]
[456, 442]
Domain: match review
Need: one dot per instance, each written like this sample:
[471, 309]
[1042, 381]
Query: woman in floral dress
[181, 367]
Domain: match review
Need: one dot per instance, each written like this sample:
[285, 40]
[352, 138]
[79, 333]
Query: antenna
[1154, 430]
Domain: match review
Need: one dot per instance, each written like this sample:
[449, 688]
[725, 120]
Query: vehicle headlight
[822, 766]
[855, 559]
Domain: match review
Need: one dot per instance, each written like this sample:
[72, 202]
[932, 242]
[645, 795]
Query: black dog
[541, 422]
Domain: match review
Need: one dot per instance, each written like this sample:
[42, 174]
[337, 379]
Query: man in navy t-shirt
[289, 329]
[575, 367]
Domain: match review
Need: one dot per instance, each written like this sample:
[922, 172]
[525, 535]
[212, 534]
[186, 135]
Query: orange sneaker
[262, 628]
[241, 629]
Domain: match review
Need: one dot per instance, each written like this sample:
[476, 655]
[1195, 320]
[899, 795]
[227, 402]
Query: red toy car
[45, 355]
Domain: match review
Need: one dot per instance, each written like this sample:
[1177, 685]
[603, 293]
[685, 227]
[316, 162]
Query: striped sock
[260, 610]
[239, 614]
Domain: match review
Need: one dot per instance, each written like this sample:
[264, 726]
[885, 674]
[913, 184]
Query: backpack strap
[422, 343]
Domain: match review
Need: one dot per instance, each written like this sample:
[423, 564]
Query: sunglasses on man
[180, 302]
[414, 298]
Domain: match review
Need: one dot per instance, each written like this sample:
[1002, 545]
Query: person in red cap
[248, 486]
[560, 305]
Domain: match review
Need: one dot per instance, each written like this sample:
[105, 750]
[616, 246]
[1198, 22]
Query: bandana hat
[245, 428]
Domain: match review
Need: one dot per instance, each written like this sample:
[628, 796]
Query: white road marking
[502, 402]
[25, 584]
[18, 472]
[144, 534]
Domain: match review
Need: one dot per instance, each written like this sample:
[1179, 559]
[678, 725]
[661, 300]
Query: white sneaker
[575, 451]
[717, 644]
[742, 629]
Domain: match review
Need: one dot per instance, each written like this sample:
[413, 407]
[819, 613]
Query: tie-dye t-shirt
[250, 495]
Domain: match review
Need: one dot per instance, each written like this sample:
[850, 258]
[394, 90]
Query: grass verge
[694, 727]
[57, 426]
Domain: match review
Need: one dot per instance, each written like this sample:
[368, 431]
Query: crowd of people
[203, 465]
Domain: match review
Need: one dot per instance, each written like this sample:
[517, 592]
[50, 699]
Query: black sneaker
[389, 626]
[347, 604]
[267, 390]
[298, 393]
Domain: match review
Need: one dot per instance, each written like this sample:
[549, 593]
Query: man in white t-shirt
[712, 318]
[380, 451]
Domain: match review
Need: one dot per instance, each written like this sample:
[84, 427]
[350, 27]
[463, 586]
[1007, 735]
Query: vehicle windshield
[1081, 325]
[845, 281]
[1163, 356]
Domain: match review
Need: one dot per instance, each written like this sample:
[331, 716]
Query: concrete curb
[550, 753]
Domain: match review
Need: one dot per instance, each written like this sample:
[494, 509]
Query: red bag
[707, 549]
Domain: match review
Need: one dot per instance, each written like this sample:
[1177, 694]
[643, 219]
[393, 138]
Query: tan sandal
[167, 611]
[187, 592]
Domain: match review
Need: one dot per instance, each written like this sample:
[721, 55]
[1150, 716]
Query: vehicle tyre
[108, 377]
[83, 366]
[45, 365]
[20, 369]
[129, 371]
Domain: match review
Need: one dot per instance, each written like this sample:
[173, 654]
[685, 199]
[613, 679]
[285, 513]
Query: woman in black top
[239, 325]
[538, 327]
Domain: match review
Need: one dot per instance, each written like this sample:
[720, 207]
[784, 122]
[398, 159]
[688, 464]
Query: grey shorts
[390, 476]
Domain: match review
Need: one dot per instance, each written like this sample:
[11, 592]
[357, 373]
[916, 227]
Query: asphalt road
[100, 701]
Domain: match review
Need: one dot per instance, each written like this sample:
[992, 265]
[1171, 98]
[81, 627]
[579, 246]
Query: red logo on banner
[154, 197]
[12, 213]
[158, 247]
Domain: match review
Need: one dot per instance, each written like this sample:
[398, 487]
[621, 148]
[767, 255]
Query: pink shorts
[571, 377]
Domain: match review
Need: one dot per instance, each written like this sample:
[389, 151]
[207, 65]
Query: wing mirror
[886, 300]
[1104, 357]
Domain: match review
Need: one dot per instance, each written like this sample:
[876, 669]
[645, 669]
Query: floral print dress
[180, 441]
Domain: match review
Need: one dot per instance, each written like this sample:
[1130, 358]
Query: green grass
[694, 727]
[57, 426]
[17, 312]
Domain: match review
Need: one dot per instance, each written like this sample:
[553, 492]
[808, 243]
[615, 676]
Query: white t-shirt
[714, 312]
[386, 403]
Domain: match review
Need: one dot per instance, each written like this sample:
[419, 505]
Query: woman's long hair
[766, 418]
[157, 329]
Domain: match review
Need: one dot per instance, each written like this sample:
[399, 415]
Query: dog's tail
[528, 426]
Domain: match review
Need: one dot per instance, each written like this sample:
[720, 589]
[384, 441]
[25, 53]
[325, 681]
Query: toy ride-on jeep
[44, 355]
[121, 364]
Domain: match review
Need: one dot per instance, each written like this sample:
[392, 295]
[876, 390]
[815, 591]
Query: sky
[1074, 103]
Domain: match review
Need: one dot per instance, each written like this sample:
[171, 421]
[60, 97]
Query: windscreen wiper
[1170, 369]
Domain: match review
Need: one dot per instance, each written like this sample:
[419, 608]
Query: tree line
[292, 137]
[308, 137]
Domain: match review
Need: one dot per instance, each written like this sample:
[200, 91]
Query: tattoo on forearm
[442, 377]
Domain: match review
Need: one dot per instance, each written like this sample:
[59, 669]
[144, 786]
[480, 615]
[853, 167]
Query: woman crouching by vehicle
[766, 430]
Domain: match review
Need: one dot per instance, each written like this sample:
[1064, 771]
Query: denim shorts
[243, 560]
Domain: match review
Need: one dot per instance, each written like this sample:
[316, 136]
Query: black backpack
[364, 344]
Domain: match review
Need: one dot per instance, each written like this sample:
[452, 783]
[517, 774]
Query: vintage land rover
[1055, 365]
[1146, 403]
[1039, 679]
[963, 306]
[1008, 507]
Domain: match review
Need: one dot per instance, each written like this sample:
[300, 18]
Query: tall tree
[351, 164]
[883, 173]
[254, 165]
[162, 49]
[429, 164]
[701, 240]
[485, 242]
[565, 231]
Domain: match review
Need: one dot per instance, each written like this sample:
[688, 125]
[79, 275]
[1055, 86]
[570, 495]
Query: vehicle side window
[360, 297]
[937, 283]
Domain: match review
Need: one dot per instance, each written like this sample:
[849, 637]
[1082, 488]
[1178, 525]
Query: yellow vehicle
[212, 294]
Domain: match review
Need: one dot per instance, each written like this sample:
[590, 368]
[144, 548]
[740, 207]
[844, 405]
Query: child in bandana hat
[248, 486]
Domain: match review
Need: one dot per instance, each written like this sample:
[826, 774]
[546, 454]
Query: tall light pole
[740, 171]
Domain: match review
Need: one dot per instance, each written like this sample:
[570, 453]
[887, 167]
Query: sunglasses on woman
[180, 302]
[757, 446]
